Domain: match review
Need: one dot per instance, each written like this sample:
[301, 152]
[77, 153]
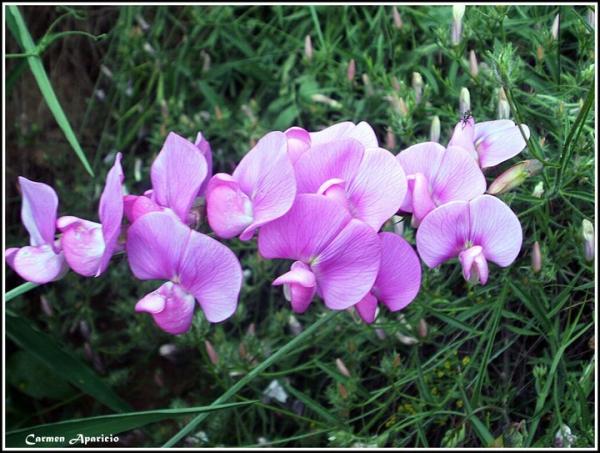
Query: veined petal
[495, 228]
[362, 132]
[474, 264]
[111, 212]
[229, 210]
[367, 308]
[420, 193]
[305, 230]
[458, 178]
[38, 264]
[378, 189]
[204, 146]
[496, 145]
[38, 211]
[443, 233]
[212, 273]
[299, 286]
[347, 268]
[464, 136]
[298, 142]
[171, 307]
[135, 206]
[177, 174]
[83, 245]
[335, 189]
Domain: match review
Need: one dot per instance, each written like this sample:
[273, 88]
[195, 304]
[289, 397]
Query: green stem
[21, 289]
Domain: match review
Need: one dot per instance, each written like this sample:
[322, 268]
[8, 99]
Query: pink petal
[496, 146]
[83, 245]
[177, 174]
[266, 175]
[443, 233]
[38, 211]
[340, 159]
[489, 127]
[300, 284]
[464, 137]
[362, 132]
[229, 210]
[155, 244]
[9, 256]
[335, 189]
[206, 151]
[496, 228]
[212, 273]
[399, 277]
[305, 230]
[458, 178]
[298, 142]
[347, 268]
[378, 189]
[367, 308]
[111, 212]
[38, 264]
[474, 264]
[420, 193]
[171, 307]
[135, 206]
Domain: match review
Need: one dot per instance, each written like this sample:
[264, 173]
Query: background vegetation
[501, 364]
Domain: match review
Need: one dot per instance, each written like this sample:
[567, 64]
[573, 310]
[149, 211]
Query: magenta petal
[474, 264]
[171, 307]
[367, 308]
[464, 137]
[136, 206]
[111, 212]
[155, 244]
[443, 233]
[378, 189]
[347, 268]
[212, 273]
[298, 142]
[335, 189]
[39, 264]
[496, 228]
[300, 285]
[83, 245]
[206, 151]
[500, 143]
[305, 230]
[38, 211]
[458, 178]
[399, 277]
[177, 174]
[229, 210]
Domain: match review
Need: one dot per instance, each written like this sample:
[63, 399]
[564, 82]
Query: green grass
[517, 349]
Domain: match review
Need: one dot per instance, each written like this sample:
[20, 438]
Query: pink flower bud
[341, 366]
[397, 18]
[515, 176]
[473, 66]
[417, 85]
[464, 101]
[422, 329]
[588, 239]
[503, 105]
[308, 48]
[434, 132]
[536, 257]
[351, 70]
[458, 12]
[212, 354]
[390, 139]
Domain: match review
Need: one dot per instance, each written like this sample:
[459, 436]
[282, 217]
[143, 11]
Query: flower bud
[308, 48]
[458, 11]
[422, 329]
[295, 326]
[406, 339]
[341, 366]
[555, 27]
[212, 354]
[397, 18]
[390, 139]
[587, 228]
[342, 390]
[417, 85]
[503, 105]
[46, 307]
[368, 86]
[322, 99]
[137, 169]
[251, 330]
[205, 61]
[514, 176]
[380, 334]
[536, 257]
[434, 132]
[464, 101]
[538, 190]
[539, 51]
[473, 65]
[591, 18]
[351, 70]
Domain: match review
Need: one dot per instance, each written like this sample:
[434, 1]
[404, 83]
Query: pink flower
[337, 257]
[489, 142]
[88, 246]
[43, 260]
[344, 163]
[474, 231]
[198, 268]
[436, 176]
[178, 174]
[205, 149]
[398, 280]
[261, 189]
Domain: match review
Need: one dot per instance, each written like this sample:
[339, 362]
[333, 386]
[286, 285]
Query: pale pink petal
[206, 151]
[9, 256]
[420, 194]
[367, 308]
[443, 233]
[474, 264]
[38, 211]
[378, 189]
[135, 206]
[500, 145]
[305, 230]
[399, 277]
[83, 245]
[362, 132]
[488, 127]
[458, 178]
[111, 212]
[298, 142]
[155, 244]
[39, 264]
[171, 307]
[347, 268]
[496, 228]
[339, 159]
[212, 273]
[300, 286]
[229, 210]
[464, 137]
[177, 174]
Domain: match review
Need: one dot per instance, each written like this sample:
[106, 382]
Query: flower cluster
[319, 199]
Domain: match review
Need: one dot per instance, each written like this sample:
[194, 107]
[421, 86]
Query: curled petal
[335, 189]
[474, 264]
[206, 151]
[229, 209]
[38, 211]
[111, 212]
[9, 256]
[362, 132]
[83, 245]
[171, 307]
[420, 193]
[298, 142]
[135, 206]
[299, 286]
[38, 264]
[367, 308]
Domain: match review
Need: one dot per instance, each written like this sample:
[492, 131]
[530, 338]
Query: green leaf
[72, 432]
[19, 29]
[62, 363]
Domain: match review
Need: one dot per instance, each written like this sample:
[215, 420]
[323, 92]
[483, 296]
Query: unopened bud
[555, 27]
[464, 101]
[417, 85]
[322, 99]
[46, 308]
[390, 139]
[341, 366]
[368, 87]
[251, 330]
[422, 329]
[503, 105]
[380, 334]
[351, 70]
[458, 11]
[148, 48]
[587, 229]
[295, 326]
[591, 18]
[343, 391]
[397, 18]
[406, 339]
[137, 169]
[539, 51]
[538, 190]
[308, 48]
[167, 350]
[536, 257]
[398, 104]
[473, 65]
[212, 354]
[515, 176]
[434, 132]
[205, 61]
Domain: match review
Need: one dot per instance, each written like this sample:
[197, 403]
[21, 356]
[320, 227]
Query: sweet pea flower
[436, 176]
[178, 174]
[261, 189]
[398, 280]
[197, 267]
[489, 142]
[206, 151]
[477, 231]
[88, 246]
[43, 260]
[337, 257]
